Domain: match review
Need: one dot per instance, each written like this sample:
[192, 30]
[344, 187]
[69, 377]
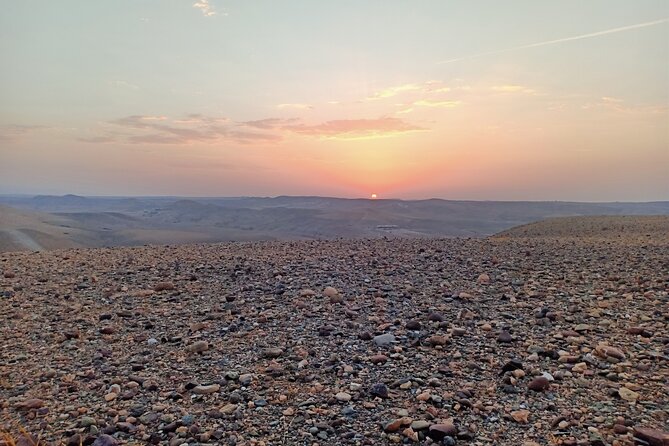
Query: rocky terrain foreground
[500, 341]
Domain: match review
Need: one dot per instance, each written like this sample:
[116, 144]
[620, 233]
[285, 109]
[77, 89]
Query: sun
[374, 196]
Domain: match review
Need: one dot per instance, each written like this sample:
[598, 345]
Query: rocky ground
[455, 342]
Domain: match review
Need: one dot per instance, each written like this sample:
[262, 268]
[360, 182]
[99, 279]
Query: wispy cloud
[618, 105]
[442, 104]
[424, 87]
[194, 128]
[123, 84]
[561, 40]
[295, 106]
[512, 89]
[357, 128]
[205, 7]
[14, 132]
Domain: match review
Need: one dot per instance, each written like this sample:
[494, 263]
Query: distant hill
[72, 220]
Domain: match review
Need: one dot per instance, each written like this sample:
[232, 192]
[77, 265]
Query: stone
[229, 409]
[378, 359]
[504, 337]
[343, 397]
[105, 440]
[483, 279]
[435, 317]
[420, 425]
[539, 384]
[413, 325]
[198, 347]
[438, 431]
[521, 416]
[163, 286]
[437, 340]
[627, 394]
[272, 352]
[654, 437]
[330, 292]
[29, 404]
[206, 390]
[379, 390]
[384, 340]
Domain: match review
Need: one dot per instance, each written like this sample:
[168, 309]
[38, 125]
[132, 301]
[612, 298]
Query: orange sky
[409, 101]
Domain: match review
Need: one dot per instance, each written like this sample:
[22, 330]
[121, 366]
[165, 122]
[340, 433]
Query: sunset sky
[520, 100]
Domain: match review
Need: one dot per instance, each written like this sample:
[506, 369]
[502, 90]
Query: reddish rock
[654, 437]
[437, 432]
[539, 384]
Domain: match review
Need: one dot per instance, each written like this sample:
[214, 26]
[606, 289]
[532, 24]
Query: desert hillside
[626, 228]
[502, 341]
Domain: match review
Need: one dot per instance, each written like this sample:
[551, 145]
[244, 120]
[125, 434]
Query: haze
[464, 100]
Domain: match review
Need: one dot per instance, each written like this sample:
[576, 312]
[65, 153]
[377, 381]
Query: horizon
[327, 197]
[474, 100]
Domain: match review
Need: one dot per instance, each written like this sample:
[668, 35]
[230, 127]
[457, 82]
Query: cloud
[205, 7]
[194, 128]
[123, 84]
[619, 106]
[269, 123]
[561, 40]
[201, 129]
[512, 89]
[443, 104]
[393, 91]
[357, 128]
[14, 132]
[295, 106]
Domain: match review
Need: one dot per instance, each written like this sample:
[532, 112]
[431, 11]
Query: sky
[484, 100]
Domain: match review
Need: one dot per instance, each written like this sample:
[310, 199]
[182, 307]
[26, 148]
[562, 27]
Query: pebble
[206, 390]
[384, 340]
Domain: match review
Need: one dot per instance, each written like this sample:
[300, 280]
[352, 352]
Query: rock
[384, 340]
[105, 440]
[410, 434]
[107, 329]
[206, 390]
[378, 359]
[330, 292]
[272, 352]
[627, 394]
[539, 384]
[579, 367]
[608, 352]
[437, 432]
[437, 340]
[198, 347]
[483, 279]
[413, 325]
[163, 286]
[521, 416]
[379, 390]
[87, 421]
[511, 365]
[654, 437]
[420, 425]
[343, 397]
[504, 337]
[246, 379]
[229, 409]
[435, 317]
[29, 404]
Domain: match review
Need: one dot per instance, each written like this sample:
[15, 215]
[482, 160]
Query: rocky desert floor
[516, 340]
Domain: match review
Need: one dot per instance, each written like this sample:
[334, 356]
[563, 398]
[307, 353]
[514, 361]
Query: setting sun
[374, 196]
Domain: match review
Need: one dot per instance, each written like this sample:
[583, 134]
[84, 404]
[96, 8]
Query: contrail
[565, 39]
